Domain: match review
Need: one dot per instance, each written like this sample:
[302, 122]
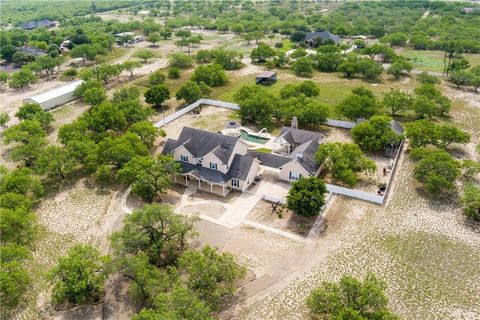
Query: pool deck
[263, 135]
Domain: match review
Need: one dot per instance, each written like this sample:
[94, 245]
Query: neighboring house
[37, 24]
[135, 38]
[314, 39]
[218, 163]
[55, 97]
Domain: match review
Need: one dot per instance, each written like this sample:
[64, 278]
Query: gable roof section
[298, 136]
[240, 167]
[169, 146]
[324, 35]
[269, 159]
[307, 158]
[200, 142]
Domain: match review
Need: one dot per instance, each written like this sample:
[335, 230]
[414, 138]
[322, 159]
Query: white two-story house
[216, 162]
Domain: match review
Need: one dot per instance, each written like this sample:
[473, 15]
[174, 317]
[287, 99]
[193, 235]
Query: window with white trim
[183, 158]
[294, 175]
[213, 165]
[236, 183]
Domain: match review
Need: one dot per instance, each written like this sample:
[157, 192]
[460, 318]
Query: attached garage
[55, 97]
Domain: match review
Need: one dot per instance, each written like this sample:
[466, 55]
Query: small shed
[266, 78]
[55, 97]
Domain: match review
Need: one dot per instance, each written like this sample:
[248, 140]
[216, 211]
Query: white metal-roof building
[55, 97]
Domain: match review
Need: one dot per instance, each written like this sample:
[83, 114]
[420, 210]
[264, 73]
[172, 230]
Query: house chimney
[294, 123]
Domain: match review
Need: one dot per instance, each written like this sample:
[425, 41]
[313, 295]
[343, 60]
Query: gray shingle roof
[298, 136]
[323, 35]
[307, 159]
[200, 142]
[238, 170]
[240, 167]
[169, 146]
[269, 160]
[207, 174]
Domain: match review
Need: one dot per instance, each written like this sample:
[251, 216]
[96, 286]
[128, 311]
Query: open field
[432, 60]
[414, 244]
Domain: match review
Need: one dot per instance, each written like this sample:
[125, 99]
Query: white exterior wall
[54, 102]
[183, 151]
[292, 166]
[254, 169]
[55, 97]
[210, 157]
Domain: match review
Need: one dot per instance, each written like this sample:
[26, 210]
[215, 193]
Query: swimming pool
[249, 137]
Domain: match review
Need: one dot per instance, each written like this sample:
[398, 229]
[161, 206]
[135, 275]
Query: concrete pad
[239, 210]
[213, 234]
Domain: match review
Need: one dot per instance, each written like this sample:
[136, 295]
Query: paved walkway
[239, 210]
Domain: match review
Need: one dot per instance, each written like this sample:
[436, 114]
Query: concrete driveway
[239, 210]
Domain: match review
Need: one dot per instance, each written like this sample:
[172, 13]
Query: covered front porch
[217, 188]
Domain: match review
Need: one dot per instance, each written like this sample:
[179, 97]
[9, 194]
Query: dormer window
[183, 158]
[213, 166]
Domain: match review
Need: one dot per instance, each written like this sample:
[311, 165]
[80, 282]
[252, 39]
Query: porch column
[175, 178]
[199, 184]
[186, 180]
[211, 187]
[223, 187]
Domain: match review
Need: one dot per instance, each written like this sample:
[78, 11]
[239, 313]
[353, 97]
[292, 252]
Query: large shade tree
[307, 196]
[435, 169]
[375, 134]
[79, 276]
[344, 161]
[351, 299]
[211, 276]
[149, 177]
[155, 230]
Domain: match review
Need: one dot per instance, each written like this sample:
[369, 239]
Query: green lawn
[432, 60]
[333, 86]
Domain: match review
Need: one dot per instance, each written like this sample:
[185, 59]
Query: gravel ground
[423, 250]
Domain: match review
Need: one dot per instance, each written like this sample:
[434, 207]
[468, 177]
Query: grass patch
[434, 267]
[432, 60]
[115, 54]
[264, 150]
